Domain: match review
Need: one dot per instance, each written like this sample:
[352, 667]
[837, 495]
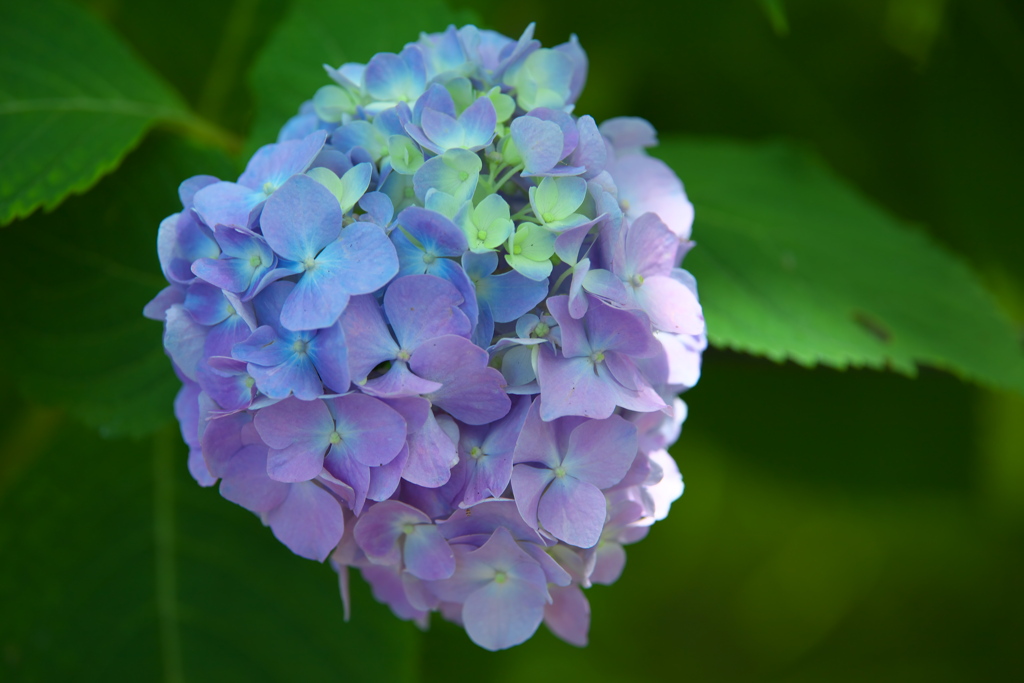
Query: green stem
[561, 279]
[201, 130]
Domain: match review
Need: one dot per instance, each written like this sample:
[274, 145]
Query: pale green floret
[256, 261]
[530, 251]
[542, 80]
[268, 188]
[403, 355]
[347, 189]
[331, 103]
[500, 577]
[556, 200]
[488, 225]
[597, 357]
[406, 156]
[559, 472]
[300, 347]
[309, 263]
[444, 204]
[637, 280]
[476, 453]
[462, 93]
[504, 105]
[509, 152]
[334, 438]
[408, 528]
[541, 330]
[249, 382]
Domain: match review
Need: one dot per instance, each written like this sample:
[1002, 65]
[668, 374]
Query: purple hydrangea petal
[423, 307]
[381, 526]
[432, 454]
[601, 451]
[300, 219]
[298, 433]
[572, 511]
[310, 521]
[245, 481]
[568, 615]
[369, 430]
[471, 391]
[427, 554]
[369, 342]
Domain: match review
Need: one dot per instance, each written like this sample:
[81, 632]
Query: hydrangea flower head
[436, 333]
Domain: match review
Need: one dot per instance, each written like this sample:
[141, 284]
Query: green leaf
[129, 571]
[794, 264]
[776, 13]
[316, 32]
[73, 101]
[75, 283]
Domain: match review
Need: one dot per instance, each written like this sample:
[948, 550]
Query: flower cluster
[436, 333]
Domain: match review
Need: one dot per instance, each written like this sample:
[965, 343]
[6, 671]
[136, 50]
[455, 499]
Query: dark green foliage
[792, 264]
[73, 101]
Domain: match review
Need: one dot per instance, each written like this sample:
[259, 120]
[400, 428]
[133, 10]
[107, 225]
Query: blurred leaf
[134, 573]
[76, 282]
[776, 13]
[794, 264]
[73, 101]
[316, 32]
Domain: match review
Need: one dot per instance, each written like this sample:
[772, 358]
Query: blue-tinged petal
[435, 234]
[356, 134]
[207, 304]
[591, 151]
[379, 209]
[273, 164]
[422, 307]
[188, 187]
[227, 204]
[452, 272]
[363, 259]
[436, 98]
[479, 265]
[300, 219]
[263, 347]
[390, 78]
[477, 124]
[156, 309]
[483, 331]
[511, 295]
[184, 339]
[565, 122]
[539, 143]
[316, 302]
[296, 375]
[441, 129]
[328, 351]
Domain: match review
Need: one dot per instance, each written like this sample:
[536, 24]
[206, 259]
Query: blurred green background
[836, 526]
